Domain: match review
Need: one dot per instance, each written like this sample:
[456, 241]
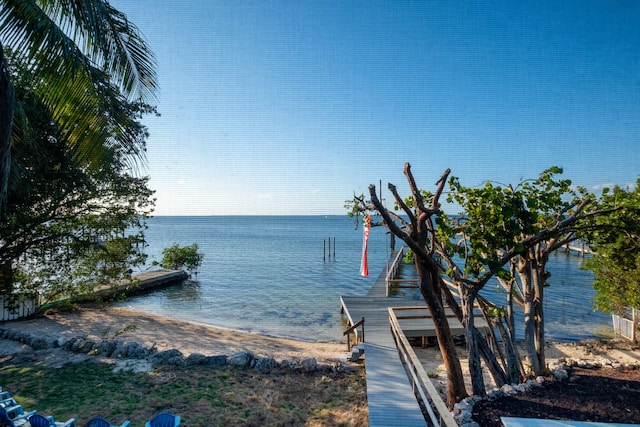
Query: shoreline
[98, 323]
[165, 333]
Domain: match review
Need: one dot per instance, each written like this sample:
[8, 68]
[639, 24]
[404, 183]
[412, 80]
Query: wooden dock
[390, 396]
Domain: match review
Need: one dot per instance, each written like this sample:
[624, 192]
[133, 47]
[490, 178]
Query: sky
[290, 107]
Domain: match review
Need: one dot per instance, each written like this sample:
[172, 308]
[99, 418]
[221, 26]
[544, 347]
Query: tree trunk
[525, 273]
[487, 354]
[467, 298]
[538, 292]
[7, 102]
[428, 278]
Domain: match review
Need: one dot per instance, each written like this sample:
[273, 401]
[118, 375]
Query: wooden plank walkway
[390, 397]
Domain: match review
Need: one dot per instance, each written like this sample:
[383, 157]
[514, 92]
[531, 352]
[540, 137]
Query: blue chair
[164, 419]
[101, 422]
[14, 416]
[37, 420]
[14, 421]
[12, 407]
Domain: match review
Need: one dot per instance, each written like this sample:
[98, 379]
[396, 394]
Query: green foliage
[176, 257]
[617, 286]
[615, 238]
[496, 219]
[69, 226]
[356, 209]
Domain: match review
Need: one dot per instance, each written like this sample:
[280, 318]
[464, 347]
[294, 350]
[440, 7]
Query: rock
[86, 347]
[37, 343]
[309, 365]
[241, 360]
[507, 389]
[133, 350]
[463, 410]
[560, 374]
[264, 364]
[169, 357]
[216, 361]
[106, 348]
[196, 359]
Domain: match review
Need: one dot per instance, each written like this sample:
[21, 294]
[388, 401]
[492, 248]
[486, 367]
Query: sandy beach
[99, 323]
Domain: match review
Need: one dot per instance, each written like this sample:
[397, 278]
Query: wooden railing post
[351, 329]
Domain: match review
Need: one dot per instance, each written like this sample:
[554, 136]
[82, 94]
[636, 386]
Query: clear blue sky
[289, 107]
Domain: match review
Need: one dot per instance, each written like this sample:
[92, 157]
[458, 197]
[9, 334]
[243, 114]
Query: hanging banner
[364, 267]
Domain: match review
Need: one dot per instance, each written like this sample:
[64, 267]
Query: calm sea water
[274, 275]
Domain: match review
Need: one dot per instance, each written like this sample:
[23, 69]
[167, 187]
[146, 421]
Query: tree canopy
[69, 226]
[616, 241]
[84, 55]
[502, 232]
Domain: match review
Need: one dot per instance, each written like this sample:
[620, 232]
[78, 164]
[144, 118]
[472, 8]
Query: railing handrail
[420, 381]
[393, 269]
[353, 328]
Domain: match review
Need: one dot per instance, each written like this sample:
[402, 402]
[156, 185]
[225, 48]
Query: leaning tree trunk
[429, 278]
[487, 354]
[7, 101]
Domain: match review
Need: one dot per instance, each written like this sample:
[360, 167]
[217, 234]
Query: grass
[202, 396]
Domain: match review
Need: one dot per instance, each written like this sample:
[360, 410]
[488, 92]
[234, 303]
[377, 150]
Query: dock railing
[392, 272]
[354, 330]
[423, 387]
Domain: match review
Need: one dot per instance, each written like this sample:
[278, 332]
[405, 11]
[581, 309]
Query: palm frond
[68, 35]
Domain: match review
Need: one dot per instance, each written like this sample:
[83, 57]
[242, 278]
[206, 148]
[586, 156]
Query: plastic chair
[164, 419]
[37, 420]
[101, 422]
[16, 421]
[12, 408]
[14, 416]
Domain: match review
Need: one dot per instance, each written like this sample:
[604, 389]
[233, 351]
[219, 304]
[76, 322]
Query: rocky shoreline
[134, 356]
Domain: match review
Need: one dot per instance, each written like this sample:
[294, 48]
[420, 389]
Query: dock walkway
[390, 397]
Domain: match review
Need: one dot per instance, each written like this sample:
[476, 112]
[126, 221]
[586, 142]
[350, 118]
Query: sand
[128, 325]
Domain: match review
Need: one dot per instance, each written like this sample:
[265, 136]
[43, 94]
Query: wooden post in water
[334, 248]
[324, 250]
[329, 247]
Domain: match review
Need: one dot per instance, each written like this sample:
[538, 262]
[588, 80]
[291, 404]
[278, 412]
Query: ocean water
[275, 275]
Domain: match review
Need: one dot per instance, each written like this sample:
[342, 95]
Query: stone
[169, 357]
[106, 348]
[560, 374]
[196, 359]
[242, 359]
[264, 364]
[309, 365]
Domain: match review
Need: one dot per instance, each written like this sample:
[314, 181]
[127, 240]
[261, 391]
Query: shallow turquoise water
[272, 275]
